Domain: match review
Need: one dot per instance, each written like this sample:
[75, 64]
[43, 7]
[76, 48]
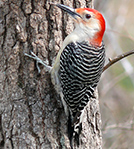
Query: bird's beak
[69, 10]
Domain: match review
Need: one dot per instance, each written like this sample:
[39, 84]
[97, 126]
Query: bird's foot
[39, 61]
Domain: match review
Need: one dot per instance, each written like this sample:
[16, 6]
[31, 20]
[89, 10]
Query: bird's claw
[38, 60]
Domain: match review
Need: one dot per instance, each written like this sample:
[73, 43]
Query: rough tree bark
[31, 113]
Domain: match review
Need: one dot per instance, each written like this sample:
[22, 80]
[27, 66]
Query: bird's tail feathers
[70, 130]
[74, 128]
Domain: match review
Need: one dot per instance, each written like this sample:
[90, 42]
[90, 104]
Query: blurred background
[116, 87]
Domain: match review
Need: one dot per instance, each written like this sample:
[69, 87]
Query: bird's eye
[88, 16]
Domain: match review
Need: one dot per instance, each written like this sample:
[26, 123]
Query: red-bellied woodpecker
[79, 64]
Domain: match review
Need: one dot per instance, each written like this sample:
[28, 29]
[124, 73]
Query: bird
[79, 64]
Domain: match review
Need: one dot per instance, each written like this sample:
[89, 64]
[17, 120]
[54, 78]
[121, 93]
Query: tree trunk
[31, 112]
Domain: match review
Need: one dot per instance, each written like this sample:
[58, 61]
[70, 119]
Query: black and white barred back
[81, 66]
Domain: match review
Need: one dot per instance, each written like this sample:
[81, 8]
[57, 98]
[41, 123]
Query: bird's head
[90, 21]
